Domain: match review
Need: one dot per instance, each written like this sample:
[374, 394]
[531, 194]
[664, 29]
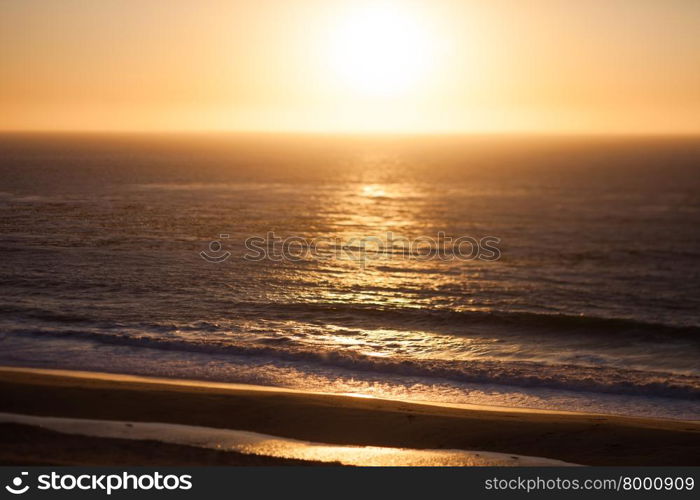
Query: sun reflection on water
[373, 191]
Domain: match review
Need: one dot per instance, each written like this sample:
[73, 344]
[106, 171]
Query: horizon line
[350, 133]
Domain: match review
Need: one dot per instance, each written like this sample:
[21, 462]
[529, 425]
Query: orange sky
[601, 66]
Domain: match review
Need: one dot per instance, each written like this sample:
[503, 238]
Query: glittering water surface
[594, 304]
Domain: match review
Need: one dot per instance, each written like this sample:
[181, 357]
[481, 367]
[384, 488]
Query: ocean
[556, 273]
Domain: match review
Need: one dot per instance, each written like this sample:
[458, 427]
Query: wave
[376, 314]
[526, 374]
[542, 322]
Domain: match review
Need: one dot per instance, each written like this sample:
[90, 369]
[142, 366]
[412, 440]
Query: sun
[381, 48]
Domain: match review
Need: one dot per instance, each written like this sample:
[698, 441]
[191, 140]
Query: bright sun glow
[382, 49]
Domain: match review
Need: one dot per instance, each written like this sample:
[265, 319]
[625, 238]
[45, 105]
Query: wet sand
[334, 419]
[28, 445]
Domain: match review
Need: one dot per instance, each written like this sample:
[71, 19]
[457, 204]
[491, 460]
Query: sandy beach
[334, 419]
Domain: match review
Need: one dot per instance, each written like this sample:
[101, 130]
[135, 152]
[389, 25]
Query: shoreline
[214, 384]
[588, 439]
[187, 382]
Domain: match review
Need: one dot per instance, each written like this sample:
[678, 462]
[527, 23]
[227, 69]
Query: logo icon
[17, 483]
[215, 247]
